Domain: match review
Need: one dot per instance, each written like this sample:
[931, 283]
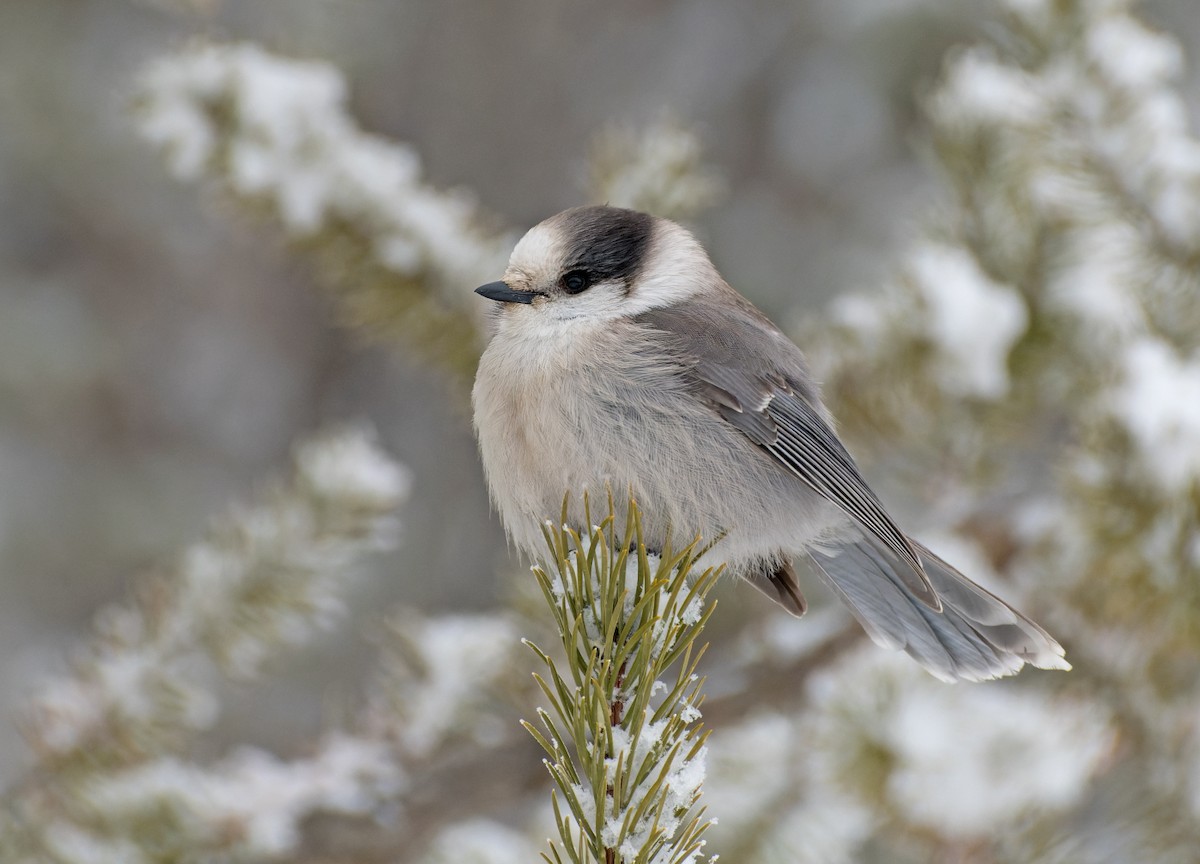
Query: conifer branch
[622, 736]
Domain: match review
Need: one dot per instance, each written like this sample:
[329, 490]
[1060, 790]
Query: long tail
[975, 636]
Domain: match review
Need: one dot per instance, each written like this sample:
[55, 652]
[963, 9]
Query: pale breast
[599, 409]
[527, 422]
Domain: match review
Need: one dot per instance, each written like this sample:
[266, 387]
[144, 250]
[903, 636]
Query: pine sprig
[622, 735]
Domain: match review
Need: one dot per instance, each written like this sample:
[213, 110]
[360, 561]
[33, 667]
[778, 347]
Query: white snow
[680, 790]
[752, 764]
[1100, 285]
[980, 89]
[1133, 56]
[973, 321]
[252, 804]
[278, 130]
[688, 615]
[1159, 404]
[862, 313]
[350, 466]
[137, 687]
[658, 169]
[266, 575]
[975, 760]
[963, 761]
[655, 741]
[1137, 122]
[480, 841]
[828, 827]
[458, 656]
[766, 779]
[70, 844]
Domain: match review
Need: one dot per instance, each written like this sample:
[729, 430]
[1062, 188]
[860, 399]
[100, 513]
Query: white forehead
[542, 248]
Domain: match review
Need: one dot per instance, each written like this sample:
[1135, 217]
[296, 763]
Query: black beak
[501, 293]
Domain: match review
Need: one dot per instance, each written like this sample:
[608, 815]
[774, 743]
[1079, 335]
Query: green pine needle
[624, 744]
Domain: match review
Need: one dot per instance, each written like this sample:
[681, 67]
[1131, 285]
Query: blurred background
[161, 351]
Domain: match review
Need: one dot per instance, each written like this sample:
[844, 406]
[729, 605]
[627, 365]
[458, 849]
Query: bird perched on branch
[621, 361]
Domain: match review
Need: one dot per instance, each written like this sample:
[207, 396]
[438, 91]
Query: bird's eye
[576, 281]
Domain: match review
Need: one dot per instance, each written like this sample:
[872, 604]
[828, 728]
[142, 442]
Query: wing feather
[762, 387]
[810, 449]
[756, 379]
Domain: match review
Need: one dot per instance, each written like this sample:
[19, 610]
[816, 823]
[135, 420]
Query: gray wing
[762, 387]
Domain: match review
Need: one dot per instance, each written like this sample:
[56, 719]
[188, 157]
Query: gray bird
[621, 360]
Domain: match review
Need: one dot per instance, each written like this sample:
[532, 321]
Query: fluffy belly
[571, 432]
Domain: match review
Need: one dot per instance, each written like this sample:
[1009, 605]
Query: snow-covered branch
[275, 134]
[1032, 373]
[1027, 374]
[111, 783]
[657, 169]
[625, 747]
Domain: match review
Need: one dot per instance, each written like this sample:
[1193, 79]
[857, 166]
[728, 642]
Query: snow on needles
[266, 576]
[633, 773]
[680, 786]
[765, 783]
[350, 467]
[983, 89]
[250, 806]
[283, 565]
[973, 321]
[1159, 404]
[441, 671]
[1156, 155]
[687, 614]
[658, 170]
[963, 761]
[480, 841]
[1129, 128]
[277, 130]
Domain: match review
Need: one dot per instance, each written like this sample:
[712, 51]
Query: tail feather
[975, 636]
[779, 582]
